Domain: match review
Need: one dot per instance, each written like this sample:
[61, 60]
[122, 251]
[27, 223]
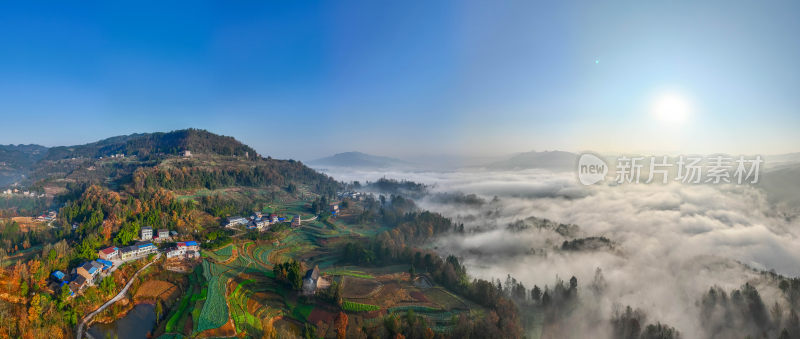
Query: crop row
[350, 306]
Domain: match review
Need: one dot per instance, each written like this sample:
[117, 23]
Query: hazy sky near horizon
[307, 79]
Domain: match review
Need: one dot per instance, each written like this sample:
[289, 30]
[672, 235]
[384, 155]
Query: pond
[134, 325]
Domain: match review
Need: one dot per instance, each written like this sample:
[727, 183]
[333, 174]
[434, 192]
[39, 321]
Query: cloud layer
[672, 242]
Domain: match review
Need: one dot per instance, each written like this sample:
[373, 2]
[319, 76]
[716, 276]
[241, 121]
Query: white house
[235, 221]
[147, 233]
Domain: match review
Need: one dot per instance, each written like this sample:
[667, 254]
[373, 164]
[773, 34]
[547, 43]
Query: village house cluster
[352, 195]
[17, 191]
[90, 272]
[257, 221]
[84, 275]
[188, 250]
[47, 217]
[148, 234]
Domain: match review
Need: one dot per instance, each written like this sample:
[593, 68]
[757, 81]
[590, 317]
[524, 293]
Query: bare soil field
[153, 289]
[359, 288]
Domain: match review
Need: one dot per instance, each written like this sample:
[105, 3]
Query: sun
[671, 107]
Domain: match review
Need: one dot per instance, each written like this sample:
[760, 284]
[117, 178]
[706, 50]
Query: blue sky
[307, 79]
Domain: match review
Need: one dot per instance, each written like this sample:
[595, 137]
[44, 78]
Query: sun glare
[671, 107]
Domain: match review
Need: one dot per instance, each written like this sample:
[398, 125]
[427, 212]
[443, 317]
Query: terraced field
[349, 272]
[220, 255]
[233, 292]
[215, 309]
[350, 306]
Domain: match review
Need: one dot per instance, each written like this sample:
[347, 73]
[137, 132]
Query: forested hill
[15, 160]
[158, 160]
[146, 144]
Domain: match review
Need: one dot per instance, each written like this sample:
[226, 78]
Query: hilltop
[212, 164]
[26, 164]
[112, 161]
[146, 144]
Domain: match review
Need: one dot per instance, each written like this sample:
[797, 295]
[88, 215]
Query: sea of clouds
[671, 242]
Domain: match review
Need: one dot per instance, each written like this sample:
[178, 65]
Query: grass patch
[302, 311]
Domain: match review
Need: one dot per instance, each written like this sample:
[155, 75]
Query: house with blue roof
[58, 276]
[89, 270]
[106, 264]
[128, 252]
[145, 248]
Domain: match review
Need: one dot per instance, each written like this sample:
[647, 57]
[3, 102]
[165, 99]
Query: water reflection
[134, 325]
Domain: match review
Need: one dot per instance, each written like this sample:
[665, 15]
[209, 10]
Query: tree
[289, 274]
[309, 331]
[628, 324]
[63, 296]
[23, 289]
[333, 294]
[573, 287]
[392, 324]
[660, 331]
[411, 318]
[159, 309]
[598, 285]
[536, 294]
[87, 249]
[341, 325]
[108, 285]
[52, 256]
[35, 310]
[546, 298]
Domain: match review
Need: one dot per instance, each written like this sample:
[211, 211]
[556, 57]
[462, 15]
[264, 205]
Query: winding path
[113, 300]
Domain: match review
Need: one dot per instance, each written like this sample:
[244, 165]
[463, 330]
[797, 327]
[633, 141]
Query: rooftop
[80, 280]
[109, 250]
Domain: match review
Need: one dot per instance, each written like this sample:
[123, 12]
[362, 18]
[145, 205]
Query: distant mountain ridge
[550, 160]
[15, 160]
[359, 160]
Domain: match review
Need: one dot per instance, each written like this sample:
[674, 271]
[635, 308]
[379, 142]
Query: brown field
[52, 191]
[181, 264]
[28, 223]
[152, 289]
[391, 294]
[358, 288]
[320, 315]
[419, 296]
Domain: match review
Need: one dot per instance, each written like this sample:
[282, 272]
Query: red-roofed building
[108, 253]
